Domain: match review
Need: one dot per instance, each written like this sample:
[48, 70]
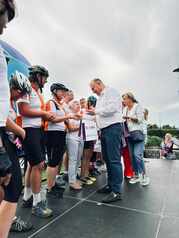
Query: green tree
[153, 126]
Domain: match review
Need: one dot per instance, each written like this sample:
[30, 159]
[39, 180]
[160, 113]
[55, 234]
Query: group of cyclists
[40, 128]
[60, 132]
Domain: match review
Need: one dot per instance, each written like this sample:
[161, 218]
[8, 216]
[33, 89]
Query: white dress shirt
[108, 108]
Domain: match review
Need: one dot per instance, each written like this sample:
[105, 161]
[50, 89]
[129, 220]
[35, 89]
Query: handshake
[50, 116]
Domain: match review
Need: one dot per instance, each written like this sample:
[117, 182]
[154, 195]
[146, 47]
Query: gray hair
[131, 96]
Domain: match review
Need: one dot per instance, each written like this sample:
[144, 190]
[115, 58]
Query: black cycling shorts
[56, 146]
[89, 144]
[14, 188]
[34, 145]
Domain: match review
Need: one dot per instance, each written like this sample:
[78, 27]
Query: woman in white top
[56, 135]
[32, 111]
[74, 147]
[134, 116]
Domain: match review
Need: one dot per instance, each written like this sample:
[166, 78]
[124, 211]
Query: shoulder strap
[55, 103]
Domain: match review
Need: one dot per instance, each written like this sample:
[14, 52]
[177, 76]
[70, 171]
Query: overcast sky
[132, 45]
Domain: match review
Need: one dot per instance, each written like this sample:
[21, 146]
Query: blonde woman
[134, 117]
[74, 147]
[166, 151]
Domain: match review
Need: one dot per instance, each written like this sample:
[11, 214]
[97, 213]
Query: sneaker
[60, 186]
[94, 173]
[27, 203]
[145, 180]
[65, 177]
[86, 181]
[41, 210]
[134, 180]
[56, 192]
[106, 189]
[60, 182]
[97, 171]
[19, 225]
[112, 197]
[92, 178]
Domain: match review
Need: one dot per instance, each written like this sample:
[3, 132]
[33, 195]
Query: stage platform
[144, 212]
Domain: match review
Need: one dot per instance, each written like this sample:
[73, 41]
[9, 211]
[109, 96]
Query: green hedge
[161, 132]
[154, 141]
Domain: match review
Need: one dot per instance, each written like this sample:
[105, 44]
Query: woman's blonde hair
[168, 136]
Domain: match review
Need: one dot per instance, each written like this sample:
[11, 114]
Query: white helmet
[20, 82]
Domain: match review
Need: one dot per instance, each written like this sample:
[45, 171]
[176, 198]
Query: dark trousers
[111, 151]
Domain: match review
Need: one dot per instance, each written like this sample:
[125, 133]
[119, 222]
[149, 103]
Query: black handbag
[136, 136]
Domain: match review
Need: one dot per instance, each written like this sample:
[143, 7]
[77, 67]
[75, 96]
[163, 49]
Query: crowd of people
[73, 134]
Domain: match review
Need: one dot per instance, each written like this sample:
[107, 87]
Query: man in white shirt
[109, 119]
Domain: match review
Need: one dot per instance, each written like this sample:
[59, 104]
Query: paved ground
[150, 212]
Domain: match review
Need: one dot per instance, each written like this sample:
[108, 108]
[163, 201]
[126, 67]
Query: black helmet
[58, 86]
[20, 82]
[34, 71]
[37, 69]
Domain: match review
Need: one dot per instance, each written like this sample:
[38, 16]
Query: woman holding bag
[128, 170]
[133, 116]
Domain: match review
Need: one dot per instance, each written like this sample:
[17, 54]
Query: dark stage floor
[150, 212]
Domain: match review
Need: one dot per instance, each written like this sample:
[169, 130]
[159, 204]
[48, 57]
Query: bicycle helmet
[58, 86]
[20, 82]
[37, 69]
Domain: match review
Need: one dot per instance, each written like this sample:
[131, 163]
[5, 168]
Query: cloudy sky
[132, 45]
